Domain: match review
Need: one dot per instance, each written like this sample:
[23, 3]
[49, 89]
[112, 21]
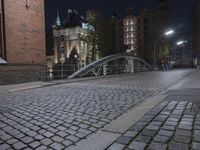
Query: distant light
[180, 42]
[169, 32]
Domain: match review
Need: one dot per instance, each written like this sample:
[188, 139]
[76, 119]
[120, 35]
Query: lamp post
[77, 62]
[62, 57]
[62, 60]
[155, 45]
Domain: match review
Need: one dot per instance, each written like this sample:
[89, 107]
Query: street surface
[60, 116]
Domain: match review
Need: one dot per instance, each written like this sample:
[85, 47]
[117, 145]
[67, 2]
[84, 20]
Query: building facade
[22, 42]
[195, 32]
[69, 43]
[70, 46]
[131, 32]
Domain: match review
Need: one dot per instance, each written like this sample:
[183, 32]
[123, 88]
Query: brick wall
[25, 41]
[25, 31]
[10, 74]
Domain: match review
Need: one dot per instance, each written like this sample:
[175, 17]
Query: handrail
[83, 71]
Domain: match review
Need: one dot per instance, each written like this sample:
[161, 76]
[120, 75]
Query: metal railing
[61, 71]
[119, 63]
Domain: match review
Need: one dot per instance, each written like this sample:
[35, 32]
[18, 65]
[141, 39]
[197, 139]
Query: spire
[58, 22]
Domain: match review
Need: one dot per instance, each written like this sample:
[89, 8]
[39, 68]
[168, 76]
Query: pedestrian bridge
[114, 64]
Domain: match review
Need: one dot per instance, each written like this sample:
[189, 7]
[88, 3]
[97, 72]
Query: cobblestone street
[174, 124]
[59, 116]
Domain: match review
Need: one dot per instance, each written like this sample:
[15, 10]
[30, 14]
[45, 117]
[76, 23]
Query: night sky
[180, 9]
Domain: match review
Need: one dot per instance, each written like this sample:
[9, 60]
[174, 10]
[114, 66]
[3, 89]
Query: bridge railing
[114, 64]
[110, 65]
[60, 71]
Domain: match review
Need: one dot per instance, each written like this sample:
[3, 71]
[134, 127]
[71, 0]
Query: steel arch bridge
[114, 64]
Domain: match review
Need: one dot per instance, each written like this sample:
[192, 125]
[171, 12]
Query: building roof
[73, 19]
[2, 61]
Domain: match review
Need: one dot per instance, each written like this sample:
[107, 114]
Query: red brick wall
[25, 32]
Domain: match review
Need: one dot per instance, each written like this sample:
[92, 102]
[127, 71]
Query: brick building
[22, 42]
[195, 32]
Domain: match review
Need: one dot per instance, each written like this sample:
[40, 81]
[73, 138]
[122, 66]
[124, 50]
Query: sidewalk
[173, 124]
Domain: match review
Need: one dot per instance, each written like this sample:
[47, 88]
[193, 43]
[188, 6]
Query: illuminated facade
[70, 46]
[130, 33]
[69, 43]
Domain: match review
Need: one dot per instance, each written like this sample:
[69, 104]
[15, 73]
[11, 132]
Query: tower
[58, 22]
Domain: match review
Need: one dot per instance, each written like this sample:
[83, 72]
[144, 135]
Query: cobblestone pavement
[174, 124]
[56, 117]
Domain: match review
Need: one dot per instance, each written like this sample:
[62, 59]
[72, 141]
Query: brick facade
[24, 36]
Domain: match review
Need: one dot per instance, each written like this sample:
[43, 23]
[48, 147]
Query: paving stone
[28, 148]
[182, 138]
[143, 139]
[31, 133]
[84, 131]
[57, 139]
[73, 138]
[80, 135]
[12, 141]
[137, 145]
[178, 146]
[171, 128]
[130, 134]
[165, 133]
[39, 137]
[62, 134]
[149, 133]
[157, 146]
[196, 145]
[61, 128]
[35, 144]
[116, 146]
[19, 145]
[72, 132]
[124, 140]
[184, 132]
[4, 146]
[46, 141]
[52, 130]
[41, 148]
[151, 127]
[67, 143]
[161, 139]
[5, 137]
[197, 138]
[137, 128]
[19, 136]
[48, 134]
[56, 146]
[170, 123]
[27, 139]
[156, 123]
[185, 127]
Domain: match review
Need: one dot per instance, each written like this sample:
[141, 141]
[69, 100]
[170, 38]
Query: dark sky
[180, 9]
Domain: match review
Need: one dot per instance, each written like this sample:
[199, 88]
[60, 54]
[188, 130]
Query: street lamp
[77, 62]
[62, 57]
[167, 33]
[181, 43]
[62, 60]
